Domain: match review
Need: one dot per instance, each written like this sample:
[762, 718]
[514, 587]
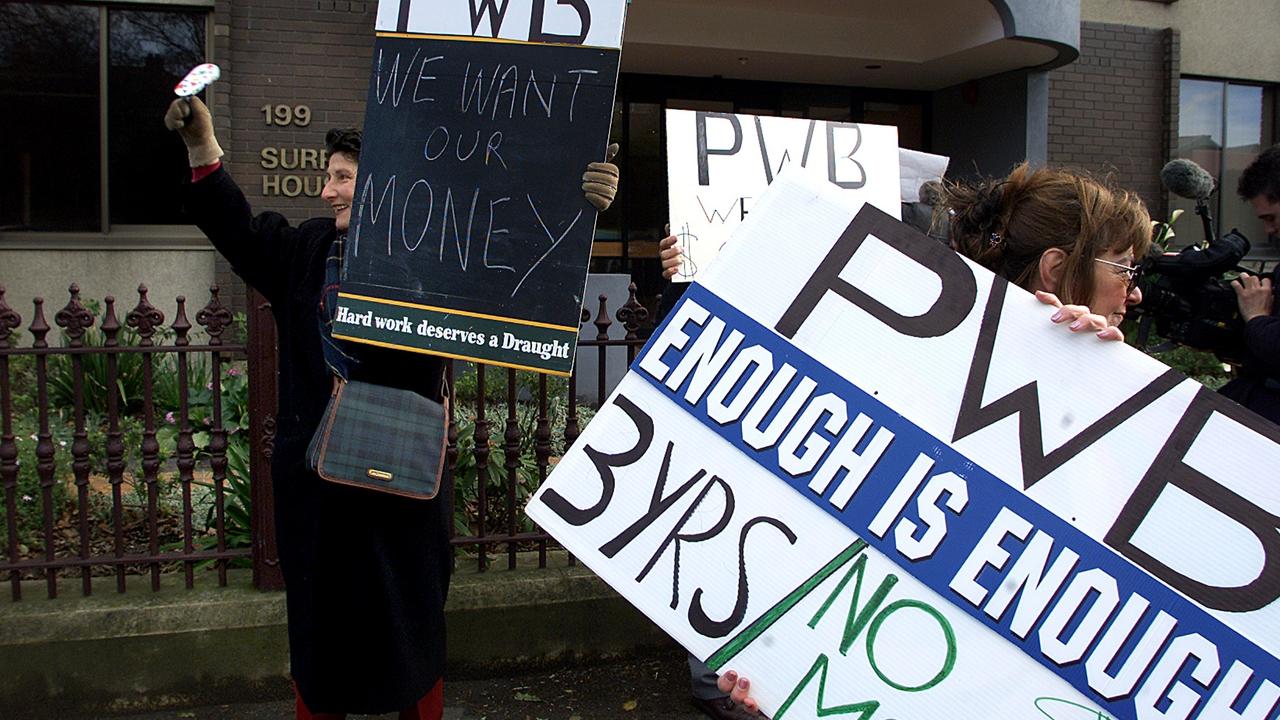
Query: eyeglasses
[1133, 271]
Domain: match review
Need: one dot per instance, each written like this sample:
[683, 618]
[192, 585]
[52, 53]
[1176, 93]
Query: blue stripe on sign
[991, 502]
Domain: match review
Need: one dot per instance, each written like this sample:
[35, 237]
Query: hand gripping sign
[876, 480]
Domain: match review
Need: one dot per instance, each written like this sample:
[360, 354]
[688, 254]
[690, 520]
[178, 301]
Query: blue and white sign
[878, 481]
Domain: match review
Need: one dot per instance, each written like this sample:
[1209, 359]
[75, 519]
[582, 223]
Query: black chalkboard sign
[470, 236]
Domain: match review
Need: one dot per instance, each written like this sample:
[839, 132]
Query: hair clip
[994, 239]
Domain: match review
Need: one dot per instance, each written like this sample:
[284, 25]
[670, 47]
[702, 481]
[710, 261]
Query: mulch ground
[135, 539]
[656, 686]
[640, 688]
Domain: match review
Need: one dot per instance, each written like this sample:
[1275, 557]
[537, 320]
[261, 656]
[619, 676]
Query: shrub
[237, 517]
[467, 475]
[29, 492]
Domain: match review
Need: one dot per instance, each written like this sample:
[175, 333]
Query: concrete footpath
[527, 642]
[650, 688]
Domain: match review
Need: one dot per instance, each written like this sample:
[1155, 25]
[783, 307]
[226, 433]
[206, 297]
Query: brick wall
[291, 53]
[1114, 110]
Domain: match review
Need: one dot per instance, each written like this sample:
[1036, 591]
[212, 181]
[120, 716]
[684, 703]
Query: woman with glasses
[1074, 241]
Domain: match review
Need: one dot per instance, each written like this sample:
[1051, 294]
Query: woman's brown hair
[1006, 225]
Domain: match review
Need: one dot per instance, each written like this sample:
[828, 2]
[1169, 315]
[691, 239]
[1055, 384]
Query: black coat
[366, 573]
[1258, 387]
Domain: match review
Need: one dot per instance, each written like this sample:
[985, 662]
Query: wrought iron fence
[84, 438]
[140, 449]
[534, 432]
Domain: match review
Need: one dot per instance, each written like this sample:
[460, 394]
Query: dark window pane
[49, 150]
[646, 172]
[609, 222]
[148, 52]
[908, 118]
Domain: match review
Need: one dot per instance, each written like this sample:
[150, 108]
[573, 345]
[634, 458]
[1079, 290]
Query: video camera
[1184, 294]
[1188, 301]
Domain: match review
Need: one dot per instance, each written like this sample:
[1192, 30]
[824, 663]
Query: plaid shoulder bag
[373, 436]
[381, 438]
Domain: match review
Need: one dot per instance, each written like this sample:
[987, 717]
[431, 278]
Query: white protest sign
[918, 168]
[718, 164]
[889, 487]
[592, 23]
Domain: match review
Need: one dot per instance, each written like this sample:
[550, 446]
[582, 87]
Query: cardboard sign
[889, 487]
[718, 164]
[470, 236]
[917, 168]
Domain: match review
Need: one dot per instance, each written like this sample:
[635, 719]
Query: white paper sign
[918, 168]
[718, 164]
[880, 483]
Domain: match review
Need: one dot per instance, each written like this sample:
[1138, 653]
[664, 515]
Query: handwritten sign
[877, 492]
[719, 163]
[470, 236]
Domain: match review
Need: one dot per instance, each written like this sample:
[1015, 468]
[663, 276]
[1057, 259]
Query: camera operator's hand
[1253, 295]
[191, 119]
[1080, 318]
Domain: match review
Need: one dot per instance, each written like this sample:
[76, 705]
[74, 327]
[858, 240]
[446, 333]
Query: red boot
[430, 707]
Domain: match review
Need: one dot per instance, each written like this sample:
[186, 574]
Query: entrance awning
[906, 44]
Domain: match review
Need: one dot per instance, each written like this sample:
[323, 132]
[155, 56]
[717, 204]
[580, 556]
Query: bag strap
[338, 360]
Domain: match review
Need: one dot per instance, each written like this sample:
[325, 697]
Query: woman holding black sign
[366, 572]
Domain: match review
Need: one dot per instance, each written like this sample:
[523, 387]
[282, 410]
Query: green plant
[29, 492]
[467, 479]
[1163, 231]
[495, 387]
[167, 391]
[237, 504]
[22, 380]
[237, 492]
[237, 488]
[130, 386]
[467, 476]
[96, 370]
[234, 394]
[1201, 366]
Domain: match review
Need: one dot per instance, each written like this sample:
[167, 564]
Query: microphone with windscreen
[1186, 179]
